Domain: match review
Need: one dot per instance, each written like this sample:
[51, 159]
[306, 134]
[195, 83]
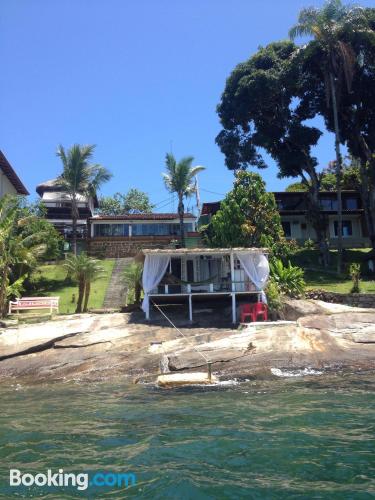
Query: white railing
[192, 288]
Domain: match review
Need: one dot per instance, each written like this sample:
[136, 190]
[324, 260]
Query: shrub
[274, 297]
[289, 278]
[309, 244]
[355, 274]
[133, 279]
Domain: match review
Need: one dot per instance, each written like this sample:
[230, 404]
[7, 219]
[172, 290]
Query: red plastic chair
[253, 311]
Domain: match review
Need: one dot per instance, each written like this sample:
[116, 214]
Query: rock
[296, 308]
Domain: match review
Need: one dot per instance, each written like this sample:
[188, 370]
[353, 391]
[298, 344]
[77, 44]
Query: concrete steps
[115, 295]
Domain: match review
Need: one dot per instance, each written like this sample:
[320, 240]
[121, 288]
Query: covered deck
[203, 273]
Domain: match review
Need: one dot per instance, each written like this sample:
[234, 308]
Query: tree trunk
[181, 210]
[316, 217]
[338, 171]
[74, 224]
[137, 293]
[3, 292]
[81, 291]
[87, 296]
[366, 193]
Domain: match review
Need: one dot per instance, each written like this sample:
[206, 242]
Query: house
[10, 183]
[196, 275]
[59, 208]
[125, 235]
[293, 211]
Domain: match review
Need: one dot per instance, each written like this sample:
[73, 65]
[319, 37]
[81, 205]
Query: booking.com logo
[81, 481]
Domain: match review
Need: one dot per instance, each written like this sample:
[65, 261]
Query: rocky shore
[314, 335]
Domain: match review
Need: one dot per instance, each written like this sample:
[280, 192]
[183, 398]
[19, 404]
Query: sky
[138, 78]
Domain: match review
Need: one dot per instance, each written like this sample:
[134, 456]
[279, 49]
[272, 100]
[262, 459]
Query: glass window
[287, 229]
[328, 204]
[111, 229]
[351, 203]
[347, 228]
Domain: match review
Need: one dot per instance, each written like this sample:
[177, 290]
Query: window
[287, 229]
[351, 203]
[328, 204]
[161, 229]
[347, 229]
[111, 229]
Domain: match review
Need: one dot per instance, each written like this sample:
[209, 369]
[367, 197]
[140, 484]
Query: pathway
[115, 295]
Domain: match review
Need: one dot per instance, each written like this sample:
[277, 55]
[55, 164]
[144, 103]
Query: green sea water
[288, 438]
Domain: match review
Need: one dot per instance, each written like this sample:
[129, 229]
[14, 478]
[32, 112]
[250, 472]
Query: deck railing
[194, 288]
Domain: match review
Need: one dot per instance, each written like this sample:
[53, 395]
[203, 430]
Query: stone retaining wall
[124, 247]
[349, 299]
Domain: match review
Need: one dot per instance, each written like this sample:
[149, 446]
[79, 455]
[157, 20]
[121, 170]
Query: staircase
[115, 294]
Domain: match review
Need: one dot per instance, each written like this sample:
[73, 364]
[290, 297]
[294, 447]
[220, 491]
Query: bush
[133, 279]
[289, 279]
[309, 244]
[355, 274]
[274, 298]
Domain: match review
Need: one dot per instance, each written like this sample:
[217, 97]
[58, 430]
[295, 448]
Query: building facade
[126, 235]
[293, 211]
[10, 183]
[59, 208]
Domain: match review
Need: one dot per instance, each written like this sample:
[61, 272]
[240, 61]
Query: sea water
[288, 438]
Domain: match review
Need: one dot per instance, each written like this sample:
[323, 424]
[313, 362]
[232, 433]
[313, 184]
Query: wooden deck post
[234, 314]
[190, 308]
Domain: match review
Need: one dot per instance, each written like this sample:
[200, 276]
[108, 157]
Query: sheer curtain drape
[153, 271]
[257, 268]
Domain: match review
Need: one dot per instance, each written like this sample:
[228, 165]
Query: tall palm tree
[79, 176]
[180, 179]
[17, 248]
[84, 270]
[337, 65]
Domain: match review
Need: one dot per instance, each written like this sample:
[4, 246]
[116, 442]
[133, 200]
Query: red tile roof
[13, 178]
[160, 216]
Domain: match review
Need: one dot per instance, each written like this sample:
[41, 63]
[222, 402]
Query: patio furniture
[253, 311]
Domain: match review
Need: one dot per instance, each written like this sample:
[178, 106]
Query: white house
[10, 183]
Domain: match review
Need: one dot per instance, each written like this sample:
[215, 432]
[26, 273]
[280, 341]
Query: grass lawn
[50, 280]
[317, 277]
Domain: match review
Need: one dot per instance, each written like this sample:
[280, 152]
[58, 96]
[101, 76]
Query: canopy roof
[202, 251]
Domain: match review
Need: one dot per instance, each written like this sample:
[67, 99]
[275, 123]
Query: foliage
[355, 274]
[133, 281]
[180, 179]
[289, 279]
[248, 216]
[83, 270]
[79, 176]
[309, 244]
[19, 248]
[133, 202]
[274, 296]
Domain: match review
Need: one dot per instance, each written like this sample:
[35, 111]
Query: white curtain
[153, 271]
[257, 268]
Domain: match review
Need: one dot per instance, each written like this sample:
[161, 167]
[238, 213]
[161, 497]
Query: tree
[133, 281]
[80, 177]
[133, 202]
[257, 112]
[19, 249]
[336, 63]
[180, 179]
[84, 270]
[248, 216]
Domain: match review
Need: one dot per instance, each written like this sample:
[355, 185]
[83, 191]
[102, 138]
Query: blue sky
[136, 77]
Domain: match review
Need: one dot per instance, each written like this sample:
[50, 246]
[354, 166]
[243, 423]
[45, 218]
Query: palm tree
[133, 281]
[179, 179]
[337, 63]
[79, 176]
[18, 249]
[84, 270]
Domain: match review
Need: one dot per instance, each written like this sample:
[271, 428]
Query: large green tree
[248, 216]
[133, 202]
[180, 179]
[257, 112]
[335, 62]
[80, 176]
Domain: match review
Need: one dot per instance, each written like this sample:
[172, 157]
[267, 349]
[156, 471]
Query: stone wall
[124, 247]
[349, 299]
